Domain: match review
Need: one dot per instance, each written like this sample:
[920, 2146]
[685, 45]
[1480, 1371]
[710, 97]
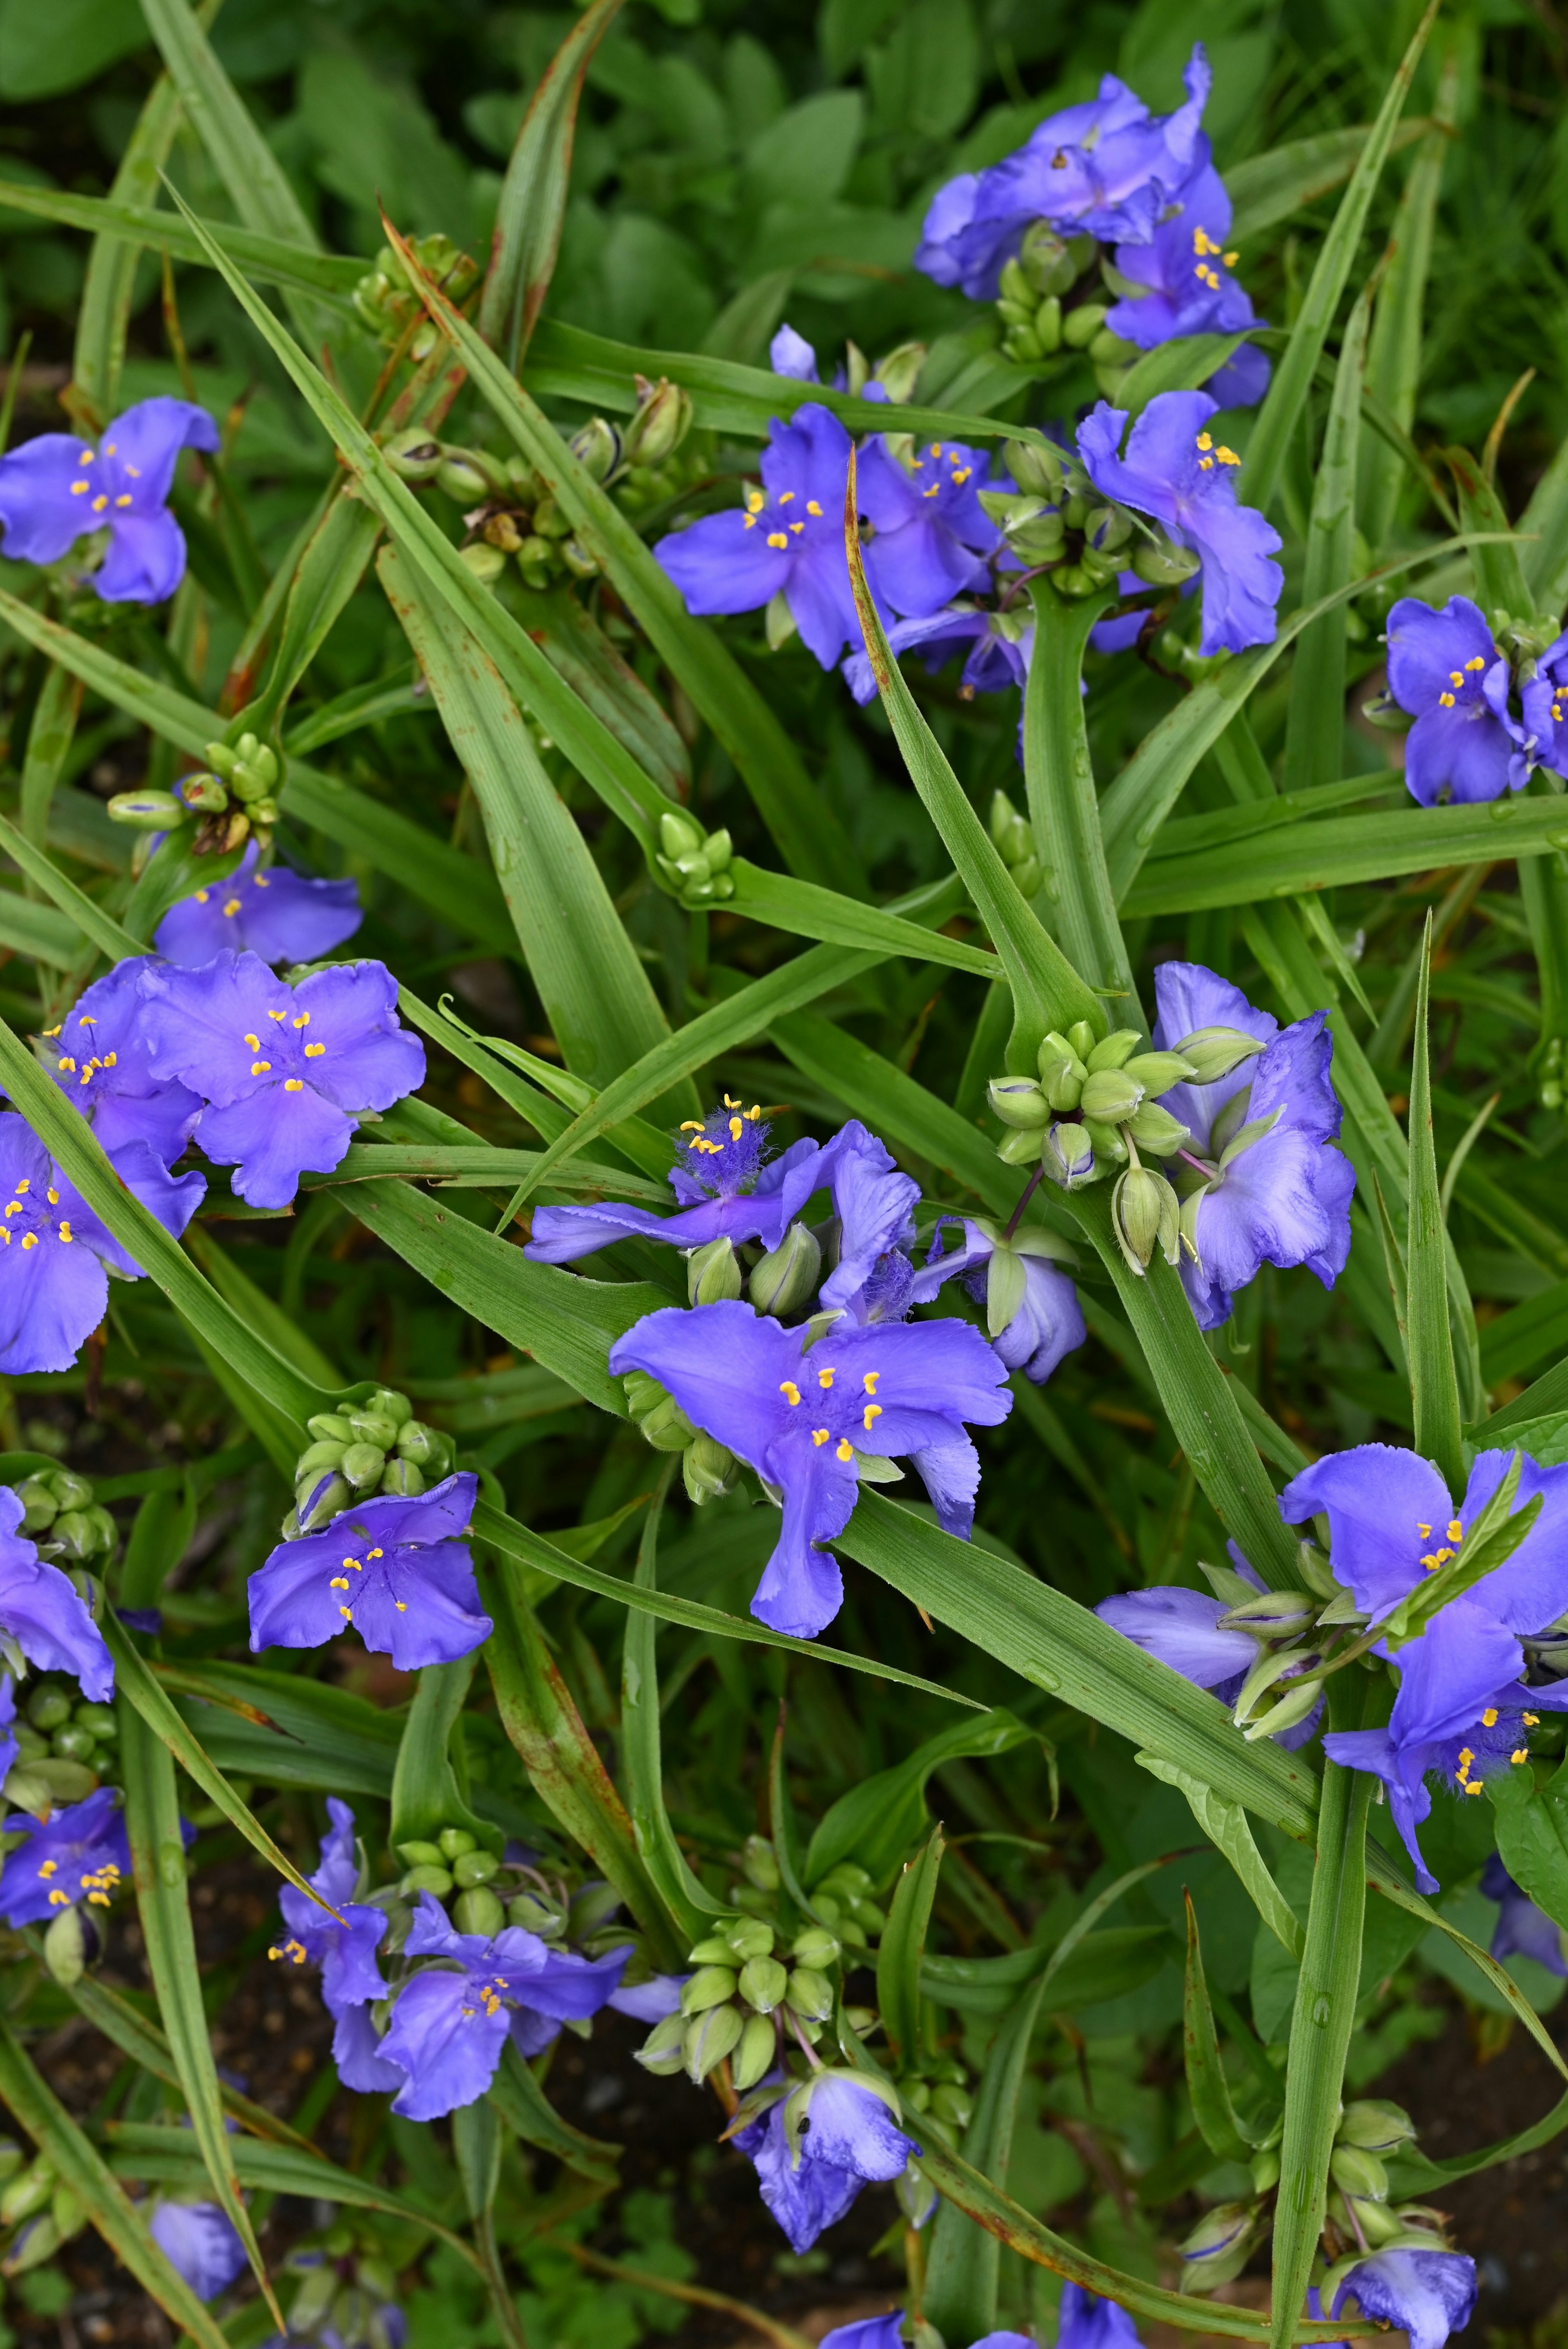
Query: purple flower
[345, 1952]
[198, 2239]
[1088, 2322]
[43, 1616]
[998, 646]
[56, 488]
[356, 2051]
[1285, 1197]
[1106, 167]
[54, 1290]
[283, 1070]
[1183, 273]
[398, 1569]
[932, 532]
[1446, 671]
[1122, 630]
[277, 914]
[799, 1417]
[451, 2023]
[1046, 1324]
[789, 540]
[1176, 473]
[1427, 2294]
[791, 353]
[1524, 1930]
[1545, 706]
[102, 1065]
[884, 2333]
[80, 1853]
[847, 2140]
[651, 2001]
[1182, 1628]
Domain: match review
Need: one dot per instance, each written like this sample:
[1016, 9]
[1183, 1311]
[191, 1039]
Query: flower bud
[1265, 2169]
[361, 1467]
[1107, 528]
[1355, 2170]
[472, 1869]
[680, 835]
[1081, 325]
[1020, 1147]
[709, 2038]
[66, 1947]
[1157, 1072]
[815, 1947]
[1069, 1157]
[713, 1274]
[545, 1917]
[708, 1470]
[1380, 2127]
[463, 476]
[401, 1478]
[205, 794]
[1062, 1072]
[72, 1536]
[418, 1853]
[662, 2052]
[748, 1937]
[426, 1879]
[1217, 2250]
[763, 1983]
[1019, 1103]
[1215, 1053]
[1154, 1128]
[147, 811]
[916, 2196]
[899, 371]
[810, 1993]
[29, 2191]
[425, 1446]
[1161, 563]
[317, 1457]
[661, 423]
[1110, 1095]
[755, 2051]
[39, 1506]
[1047, 262]
[760, 1864]
[414, 455]
[25, 1790]
[486, 563]
[1273, 1614]
[709, 1986]
[597, 447]
[479, 1911]
[786, 1278]
[1293, 1707]
[1145, 1215]
[373, 1427]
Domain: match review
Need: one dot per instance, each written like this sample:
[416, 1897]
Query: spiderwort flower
[345, 1951]
[54, 1289]
[1087, 2322]
[79, 1853]
[451, 2023]
[798, 1418]
[1427, 2294]
[850, 2140]
[101, 1064]
[884, 2333]
[1046, 1324]
[997, 644]
[1185, 287]
[1183, 1629]
[933, 534]
[1106, 167]
[789, 540]
[398, 1569]
[283, 1070]
[1445, 669]
[1544, 700]
[278, 914]
[44, 1618]
[56, 488]
[1285, 1199]
[1178, 474]
[1522, 1930]
[199, 2240]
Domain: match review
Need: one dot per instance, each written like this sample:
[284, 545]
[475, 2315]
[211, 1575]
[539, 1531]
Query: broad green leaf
[1533, 1835]
[426, 1795]
[1434, 1390]
[1225, 1825]
[521, 2104]
[534, 194]
[1320, 2030]
[276, 260]
[595, 990]
[1206, 2083]
[1394, 354]
[1055, 1644]
[1314, 727]
[1074, 894]
[1269, 188]
[1294, 372]
[903, 1948]
[78, 2164]
[811, 839]
[875, 1823]
[561, 1761]
[49, 739]
[964, 2260]
[688, 1900]
[1495, 559]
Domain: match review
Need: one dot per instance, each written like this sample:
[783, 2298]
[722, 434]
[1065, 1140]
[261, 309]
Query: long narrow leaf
[1434, 1390]
[1063, 808]
[1315, 727]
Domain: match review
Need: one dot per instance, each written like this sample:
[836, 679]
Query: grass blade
[1315, 727]
[689, 1902]
[1394, 354]
[1434, 1388]
[902, 1948]
[1266, 188]
[1063, 807]
[82, 911]
[965, 2260]
[50, 740]
[1206, 2083]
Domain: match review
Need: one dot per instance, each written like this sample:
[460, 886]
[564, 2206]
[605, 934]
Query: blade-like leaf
[109, 287]
[1268, 188]
[1495, 559]
[1315, 727]
[1434, 1388]
[1206, 2083]
[49, 739]
[877, 1821]
[964, 2260]
[1394, 354]
[85, 915]
[521, 2104]
[903, 1948]
[688, 1900]
[127, 223]
[426, 1795]
[1225, 1825]
[808, 912]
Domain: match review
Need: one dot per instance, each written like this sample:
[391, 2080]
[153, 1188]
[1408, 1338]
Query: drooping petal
[272, 1137]
[1386, 1506]
[801, 1587]
[357, 2051]
[146, 559]
[1182, 1628]
[200, 2241]
[42, 518]
[1427, 2294]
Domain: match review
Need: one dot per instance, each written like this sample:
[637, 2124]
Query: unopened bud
[1273, 1614]
[709, 1986]
[39, 1506]
[1161, 563]
[1049, 263]
[708, 1470]
[1107, 528]
[661, 423]
[1154, 1128]
[29, 2191]
[755, 2051]
[1062, 1072]
[814, 1946]
[713, 1274]
[326, 1499]
[147, 811]
[1145, 1214]
[760, 1864]
[1110, 1095]
[1356, 2171]
[810, 1993]
[486, 563]
[1217, 2250]
[1380, 2127]
[597, 447]
[361, 1467]
[324, 1454]
[1303, 1695]
[917, 2200]
[1265, 2169]
[1067, 1156]
[205, 794]
[899, 372]
[1215, 1053]
[1019, 1103]
[479, 1910]
[1157, 1072]
[709, 2038]
[66, 1947]
[72, 1536]
[1081, 325]
[1036, 469]
[786, 1278]
[763, 1983]
[680, 835]
[401, 1478]
[1112, 1051]
[414, 455]
[426, 1447]
[662, 2052]
[463, 477]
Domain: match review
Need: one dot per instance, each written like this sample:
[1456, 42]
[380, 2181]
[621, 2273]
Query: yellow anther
[691, 1125]
[303, 1021]
[736, 1129]
[124, 499]
[232, 908]
[825, 1377]
[53, 1197]
[66, 1233]
[79, 489]
[1489, 1718]
[1530, 1719]
[1445, 701]
[254, 1042]
[99, 503]
[59, 1899]
[109, 1060]
[1456, 1531]
[1425, 1532]
[790, 1390]
[29, 1240]
[338, 1582]
[1476, 661]
[49, 1868]
[820, 1436]
[261, 1068]
[870, 1381]
[314, 1052]
[1205, 464]
[813, 508]
[1523, 1755]
[66, 1061]
[277, 1015]
[373, 1553]
[401, 1605]
[1205, 440]
[872, 1411]
[202, 895]
[1456, 677]
[1227, 455]
[755, 501]
[796, 528]
[936, 448]
[846, 1450]
[934, 492]
[778, 538]
[346, 1614]
[294, 1084]
[787, 497]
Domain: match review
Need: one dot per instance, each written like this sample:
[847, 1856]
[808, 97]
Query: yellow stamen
[846, 1450]
[791, 1391]
[820, 1436]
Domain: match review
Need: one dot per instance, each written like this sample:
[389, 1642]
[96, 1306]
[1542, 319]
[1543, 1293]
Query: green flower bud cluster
[387, 304]
[1550, 1073]
[510, 511]
[364, 1449]
[938, 2090]
[1056, 518]
[486, 1893]
[65, 1747]
[239, 796]
[1282, 1685]
[61, 1517]
[1035, 324]
[1015, 843]
[39, 2206]
[695, 862]
[1359, 2210]
[347, 2287]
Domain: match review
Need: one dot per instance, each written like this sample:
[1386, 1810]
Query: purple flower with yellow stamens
[398, 1569]
[278, 914]
[56, 489]
[1544, 700]
[44, 1618]
[1445, 669]
[344, 1951]
[283, 1070]
[1048, 1320]
[102, 1065]
[933, 534]
[75, 1855]
[800, 1413]
[1185, 287]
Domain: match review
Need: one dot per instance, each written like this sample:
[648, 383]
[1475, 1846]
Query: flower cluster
[1487, 699]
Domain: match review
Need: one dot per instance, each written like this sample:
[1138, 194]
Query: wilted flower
[996, 646]
[849, 2139]
[56, 488]
[1524, 1930]
[200, 2241]
[1426, 2294]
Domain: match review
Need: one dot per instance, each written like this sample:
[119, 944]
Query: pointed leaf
[1315, 729]
[1063, 809]
[903, 1948]
[1394, 354]
[1206, 2083]
[875, 1822]
[1434, 1390]
[964, 2260]
[688, 1900]
[1225, 1825]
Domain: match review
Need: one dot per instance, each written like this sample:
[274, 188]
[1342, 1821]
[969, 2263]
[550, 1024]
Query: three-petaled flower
[1185, 285]
[1445, 669]
[283, 1070]
[79, 1854]
[278, 914]
[56, 489]
[344, 1946]
[933, 534]
[397, 1570]
[100, 1062]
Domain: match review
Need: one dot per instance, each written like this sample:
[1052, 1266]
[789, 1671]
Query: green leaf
[128, 225]
[1499, 581]
[1394, 354]
[1055, 1644]
[808, 912]
[80, 910]
[875, 1823]
[1315, 729]
[903, 1948]
[49, 739]
[1544, 536]
[261, 1314]
[1321, 2024]
[1225, 1825]
[1206, 2083]
[1100, 1966]
[688, 1900]
[561, 1761]
[1533, 1835]
[522, 2105]
[595, 990]
[426, 1795]
[964, 2260]
[1434, 1388]
[111, 2011]
[110, 289]
[576, 646]
[330, 567]
[308, 1733]
[1266, 188]
[1064, 810]
[1294, 372]
[534, 194]
[1184, 364]
[39, 932]
[78, 2164]
[1387, 1877]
